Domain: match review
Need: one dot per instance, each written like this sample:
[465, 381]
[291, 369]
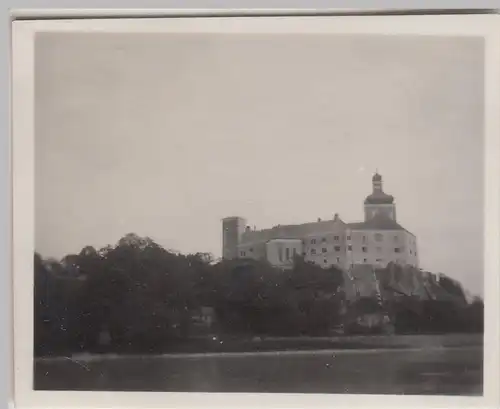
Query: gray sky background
[163, 135]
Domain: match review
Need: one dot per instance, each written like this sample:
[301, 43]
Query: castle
[376, 241]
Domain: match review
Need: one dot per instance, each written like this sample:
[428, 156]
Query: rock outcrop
[394, 281]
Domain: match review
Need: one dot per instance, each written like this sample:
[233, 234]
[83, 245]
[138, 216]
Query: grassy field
[449, 365]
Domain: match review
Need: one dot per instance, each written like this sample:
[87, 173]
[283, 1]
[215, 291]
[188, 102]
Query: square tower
[379, 203]
[232, 230]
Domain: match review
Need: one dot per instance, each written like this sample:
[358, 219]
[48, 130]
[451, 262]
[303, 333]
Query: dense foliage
[137, 297]
[144, 297]
[437, 316]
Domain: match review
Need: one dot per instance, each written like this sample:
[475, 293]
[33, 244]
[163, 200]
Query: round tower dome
[378, 195]
[379, 198]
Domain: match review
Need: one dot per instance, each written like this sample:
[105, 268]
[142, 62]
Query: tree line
[137, 297]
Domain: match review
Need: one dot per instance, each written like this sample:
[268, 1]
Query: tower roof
[379, 197]
[379, 222]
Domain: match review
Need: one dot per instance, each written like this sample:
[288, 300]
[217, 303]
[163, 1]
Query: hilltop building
[377, 241]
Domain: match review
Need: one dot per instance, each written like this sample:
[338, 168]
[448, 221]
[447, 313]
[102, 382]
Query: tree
[143, 297]
[57, 308]
[41, 312]
[254, 297]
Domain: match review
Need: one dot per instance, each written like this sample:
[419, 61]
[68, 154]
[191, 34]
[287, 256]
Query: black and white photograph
[259, 212]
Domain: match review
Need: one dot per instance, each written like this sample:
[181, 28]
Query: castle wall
[333, 243]
[330, 242]
[321, 242]
[253, 250]
[327, 249]
[380, 247]
[282, 252]
[411, 249]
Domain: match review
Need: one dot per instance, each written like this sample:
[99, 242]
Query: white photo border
[23, 72]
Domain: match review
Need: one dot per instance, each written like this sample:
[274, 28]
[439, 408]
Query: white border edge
[23, 174]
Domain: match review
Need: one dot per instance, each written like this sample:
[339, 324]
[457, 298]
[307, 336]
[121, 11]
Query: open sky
[164, 135]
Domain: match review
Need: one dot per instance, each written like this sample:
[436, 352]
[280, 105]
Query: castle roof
[379, 197]
[378, 222]
[293, 231]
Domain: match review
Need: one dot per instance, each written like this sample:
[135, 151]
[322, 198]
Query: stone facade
[378, 240]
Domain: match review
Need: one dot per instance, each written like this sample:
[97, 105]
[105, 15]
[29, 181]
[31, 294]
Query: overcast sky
[163, 135]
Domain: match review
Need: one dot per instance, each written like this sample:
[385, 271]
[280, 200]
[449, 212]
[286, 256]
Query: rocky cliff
[398, 281]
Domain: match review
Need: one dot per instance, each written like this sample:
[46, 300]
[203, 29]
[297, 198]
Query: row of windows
[365, 260]
[293, 251]
[323, 240]
[381, 260]
[377, 237]
[325, 250]
[364, 249]
[289, 253]
[326, 261]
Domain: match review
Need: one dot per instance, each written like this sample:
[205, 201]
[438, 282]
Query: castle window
[313, 241]
[287, 252]
[323, 239]
[336, 238]
[313, 251]
[364, 239]
[379, 237]
[348, 237]
[323, 250]
[396, 239]
[379, 260]
[349, 247]
[397, 250]
[338, 259]
[280, 254]
[411, 252]
[325, 261]
[365, 260]
[337, 248]
[364, 249]
[250, 250]
[242, 254]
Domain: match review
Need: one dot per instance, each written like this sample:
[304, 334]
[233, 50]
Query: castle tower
[232, 230]
[378, 202]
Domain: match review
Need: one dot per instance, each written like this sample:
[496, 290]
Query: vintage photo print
[289, 206]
